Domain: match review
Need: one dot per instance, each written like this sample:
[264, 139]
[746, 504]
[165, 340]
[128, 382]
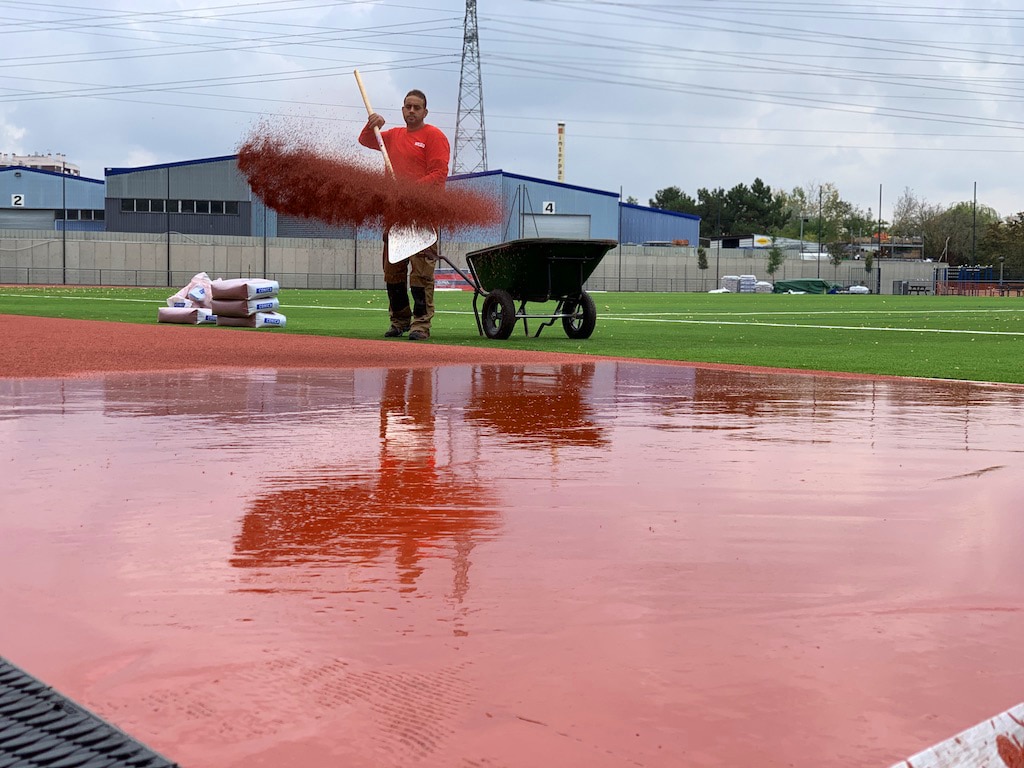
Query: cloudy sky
[869, 96]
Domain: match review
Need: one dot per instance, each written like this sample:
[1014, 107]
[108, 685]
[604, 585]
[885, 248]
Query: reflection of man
[406, 506]
[420, 152]
[407, 452]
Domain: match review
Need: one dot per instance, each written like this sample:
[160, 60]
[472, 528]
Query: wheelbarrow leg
[474, 281]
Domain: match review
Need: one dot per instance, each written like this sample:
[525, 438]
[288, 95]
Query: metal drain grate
[40, 728]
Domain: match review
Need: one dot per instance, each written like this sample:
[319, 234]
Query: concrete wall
[121, 258]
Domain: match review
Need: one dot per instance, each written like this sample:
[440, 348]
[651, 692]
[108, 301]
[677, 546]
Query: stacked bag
[192, 305]
[244, 302]
[247, 302]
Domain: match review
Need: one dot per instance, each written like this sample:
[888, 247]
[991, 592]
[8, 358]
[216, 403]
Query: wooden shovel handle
[376, 130]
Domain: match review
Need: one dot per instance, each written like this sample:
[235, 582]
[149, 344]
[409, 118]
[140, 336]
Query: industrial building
[31, 198]
[640, 225]
[210, 196]
[537, 208]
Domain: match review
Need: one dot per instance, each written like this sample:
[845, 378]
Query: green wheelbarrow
[535, 270]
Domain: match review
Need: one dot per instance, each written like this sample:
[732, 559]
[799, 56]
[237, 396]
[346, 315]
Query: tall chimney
[561, 151]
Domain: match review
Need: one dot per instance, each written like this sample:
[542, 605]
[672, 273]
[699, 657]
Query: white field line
[827, 312]
[668, 317]
[748, 324]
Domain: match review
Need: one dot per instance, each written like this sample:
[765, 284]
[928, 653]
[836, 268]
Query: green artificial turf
[948, 337]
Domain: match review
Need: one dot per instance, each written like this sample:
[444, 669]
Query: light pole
[802, 220]
[819, 232]
[167, 221]
[1001, 259]
[64, 223]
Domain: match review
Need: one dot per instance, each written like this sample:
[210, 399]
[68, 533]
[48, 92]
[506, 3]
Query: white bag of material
[243, 308]
[185, 315]
[245, 288]
[258, 320]
[196, 293]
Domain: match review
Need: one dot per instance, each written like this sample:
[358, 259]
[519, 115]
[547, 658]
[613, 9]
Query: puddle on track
[599, 564]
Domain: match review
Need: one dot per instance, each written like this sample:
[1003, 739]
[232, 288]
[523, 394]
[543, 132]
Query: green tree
[953, 234]
[741, 210]
[674, 199]
[840, 219]
[776, 257]
[1004, 239]
[836, 253]
[754, 209]
[715, 217]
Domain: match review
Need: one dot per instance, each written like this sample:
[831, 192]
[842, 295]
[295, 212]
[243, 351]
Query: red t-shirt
[422, 155]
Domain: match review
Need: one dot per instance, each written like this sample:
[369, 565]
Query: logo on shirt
[420, 144]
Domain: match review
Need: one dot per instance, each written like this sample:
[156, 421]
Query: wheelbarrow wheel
[580, 317]
[498, 314]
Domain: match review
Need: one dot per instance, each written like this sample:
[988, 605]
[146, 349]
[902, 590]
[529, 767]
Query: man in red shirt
[421, 152]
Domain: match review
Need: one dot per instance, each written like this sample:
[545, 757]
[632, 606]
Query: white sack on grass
[245, 288]
[259, 320]
[243, 308]
[195, 294]
[185, 315]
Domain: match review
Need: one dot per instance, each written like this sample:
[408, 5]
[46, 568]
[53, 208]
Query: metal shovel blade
[998, 741]
[403, 242]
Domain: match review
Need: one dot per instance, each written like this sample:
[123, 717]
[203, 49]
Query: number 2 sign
[17, 200]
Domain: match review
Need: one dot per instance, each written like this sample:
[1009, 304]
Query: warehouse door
[556, 225]
[16, 219]
[297, 226]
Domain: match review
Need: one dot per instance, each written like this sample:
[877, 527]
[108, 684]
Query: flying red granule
[294, 178]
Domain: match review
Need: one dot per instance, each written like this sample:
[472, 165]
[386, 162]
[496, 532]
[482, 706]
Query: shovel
[403, 241]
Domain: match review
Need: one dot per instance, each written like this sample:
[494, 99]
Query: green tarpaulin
[806, 285]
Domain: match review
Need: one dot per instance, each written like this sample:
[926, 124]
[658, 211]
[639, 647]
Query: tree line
[959, 234]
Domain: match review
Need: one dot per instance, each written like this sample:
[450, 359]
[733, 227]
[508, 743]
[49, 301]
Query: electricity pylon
[470, 138]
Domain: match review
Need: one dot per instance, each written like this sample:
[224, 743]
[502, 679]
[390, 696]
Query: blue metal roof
[181, 164]
[535, 180]
[40, 728]
[691, 216]
[40, 171]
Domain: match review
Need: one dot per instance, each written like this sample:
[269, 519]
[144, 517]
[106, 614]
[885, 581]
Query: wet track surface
[589, 564]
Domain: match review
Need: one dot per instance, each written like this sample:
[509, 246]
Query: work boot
[418, 335]
[399, 311]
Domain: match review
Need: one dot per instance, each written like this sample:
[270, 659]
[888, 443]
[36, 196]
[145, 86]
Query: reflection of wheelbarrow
[537, 270]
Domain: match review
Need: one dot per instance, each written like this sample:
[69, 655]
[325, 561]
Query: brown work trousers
[418, 272]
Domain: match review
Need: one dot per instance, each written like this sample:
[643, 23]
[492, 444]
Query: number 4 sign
[548, 207]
